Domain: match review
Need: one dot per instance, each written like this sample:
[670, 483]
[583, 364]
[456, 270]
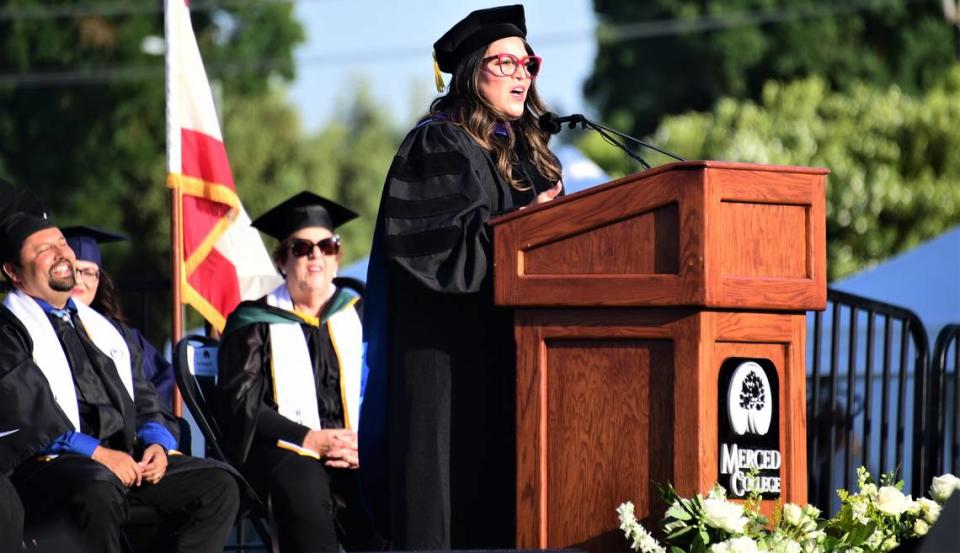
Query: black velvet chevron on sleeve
[437, 201]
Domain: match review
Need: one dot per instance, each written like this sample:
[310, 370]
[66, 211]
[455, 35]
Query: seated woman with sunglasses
[440, 354]
[288, 392]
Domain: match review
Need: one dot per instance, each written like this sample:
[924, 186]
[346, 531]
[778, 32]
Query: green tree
[346, 161]
[82, 117]
[701, 51]
[894, 171]
[82, 114]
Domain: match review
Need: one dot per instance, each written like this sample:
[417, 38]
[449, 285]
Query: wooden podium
[629, 297]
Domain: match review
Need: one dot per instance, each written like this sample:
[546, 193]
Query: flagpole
[176, 203]
[176, 291]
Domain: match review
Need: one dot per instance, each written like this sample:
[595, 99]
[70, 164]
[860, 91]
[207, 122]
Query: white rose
[912, 506]
[920, 527]
[743, 544]
[793, 514]
[791, 546]
[943, 486]
[930, 509]
[724, 515]
[892, 501]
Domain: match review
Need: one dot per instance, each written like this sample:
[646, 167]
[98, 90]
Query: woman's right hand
[547, 194]
[322, 442]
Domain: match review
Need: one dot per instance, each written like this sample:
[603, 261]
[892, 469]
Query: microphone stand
[604, 132]
[586, 124]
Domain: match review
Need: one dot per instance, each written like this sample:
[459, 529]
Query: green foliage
[94, 148]
[893, 181]
[730, 48]
[872, 519]
[272, 158]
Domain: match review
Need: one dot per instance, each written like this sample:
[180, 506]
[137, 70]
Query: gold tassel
[438, 78]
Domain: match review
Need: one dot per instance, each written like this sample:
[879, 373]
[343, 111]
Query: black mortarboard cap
[478, 29]
[21, 215]
[85, 241]
[306, 209]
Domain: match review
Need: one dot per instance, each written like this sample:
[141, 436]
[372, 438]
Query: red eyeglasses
[507, 64]
[328, 246]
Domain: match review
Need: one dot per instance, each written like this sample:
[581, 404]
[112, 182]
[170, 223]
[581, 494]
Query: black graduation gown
[28, 405]
[251, 424]
[246, 409]
[450, 448]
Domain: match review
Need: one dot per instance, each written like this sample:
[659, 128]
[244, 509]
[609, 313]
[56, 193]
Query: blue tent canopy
[924, 280]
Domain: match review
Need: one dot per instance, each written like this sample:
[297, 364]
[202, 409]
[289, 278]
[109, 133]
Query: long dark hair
[468, 108]
[107, 300]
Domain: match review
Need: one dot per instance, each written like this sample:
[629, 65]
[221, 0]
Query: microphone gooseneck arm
[597, 127]
[613, 141]
[552, 123]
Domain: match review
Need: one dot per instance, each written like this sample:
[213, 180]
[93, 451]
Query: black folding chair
[350, 283]
[194, 367]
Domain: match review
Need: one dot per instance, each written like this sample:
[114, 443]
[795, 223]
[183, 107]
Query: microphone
[552, 123]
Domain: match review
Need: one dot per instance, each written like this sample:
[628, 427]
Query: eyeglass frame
[319, 244]
[517, 61]
[88, 275]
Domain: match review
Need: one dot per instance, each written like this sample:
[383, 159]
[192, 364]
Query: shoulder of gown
[439, 194]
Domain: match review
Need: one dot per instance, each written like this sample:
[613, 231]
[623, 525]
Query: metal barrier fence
[868, 401]
[945, 365]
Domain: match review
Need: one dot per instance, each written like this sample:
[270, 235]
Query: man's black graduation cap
[306, 209]
[478, 29]
[21, 214]
[85, 240]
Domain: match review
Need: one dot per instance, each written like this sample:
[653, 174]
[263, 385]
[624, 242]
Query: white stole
[48, 354]
[294, 384]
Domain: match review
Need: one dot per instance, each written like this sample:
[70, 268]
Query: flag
[222, 258]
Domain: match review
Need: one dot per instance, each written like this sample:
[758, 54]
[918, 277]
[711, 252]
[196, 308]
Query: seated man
[11, 516]
[91, 435]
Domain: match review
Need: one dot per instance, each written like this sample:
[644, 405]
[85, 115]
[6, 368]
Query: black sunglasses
[328, 246]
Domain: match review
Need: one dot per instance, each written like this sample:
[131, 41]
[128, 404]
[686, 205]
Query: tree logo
[749, 400]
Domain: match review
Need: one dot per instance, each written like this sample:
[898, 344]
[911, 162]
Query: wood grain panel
[747, 236]
[671, 274]
[611, 400]
[603, 357]
[609, 450]
[770, 187]
[646, 243]
[762, 240]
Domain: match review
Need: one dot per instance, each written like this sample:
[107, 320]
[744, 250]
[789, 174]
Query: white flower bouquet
[876, 518]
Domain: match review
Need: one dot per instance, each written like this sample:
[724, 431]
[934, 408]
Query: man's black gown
[107, 412]
[11, 516]
[437, 426]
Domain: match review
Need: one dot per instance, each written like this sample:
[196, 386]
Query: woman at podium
[437, 435]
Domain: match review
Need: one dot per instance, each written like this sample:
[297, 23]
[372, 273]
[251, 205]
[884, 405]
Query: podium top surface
[660, 169]
[692, 234]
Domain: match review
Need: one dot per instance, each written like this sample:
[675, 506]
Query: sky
[389, 43]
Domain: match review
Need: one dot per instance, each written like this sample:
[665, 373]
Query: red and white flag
[223, 260]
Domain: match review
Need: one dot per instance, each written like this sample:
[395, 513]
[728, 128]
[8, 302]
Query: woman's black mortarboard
[21, 215]
[85, 241]
[479, 28]
[306, 209]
